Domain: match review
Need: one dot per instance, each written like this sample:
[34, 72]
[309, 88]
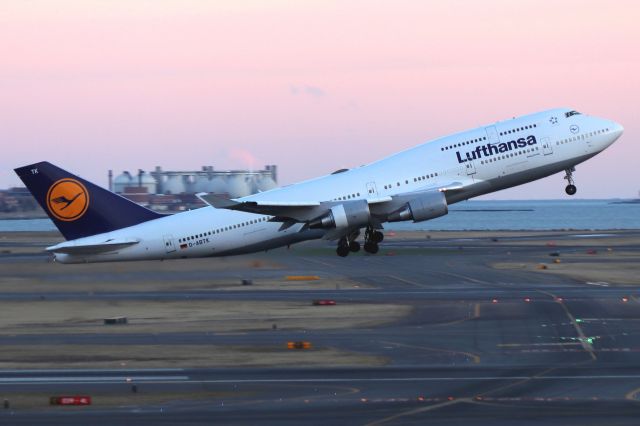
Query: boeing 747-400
[414, 185]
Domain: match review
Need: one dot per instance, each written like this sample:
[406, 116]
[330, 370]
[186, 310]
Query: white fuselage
[482, 160]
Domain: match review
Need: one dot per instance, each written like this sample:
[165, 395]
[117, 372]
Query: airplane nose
[618, 129]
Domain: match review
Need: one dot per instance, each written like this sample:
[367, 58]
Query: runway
[481, 344]
[360, 396]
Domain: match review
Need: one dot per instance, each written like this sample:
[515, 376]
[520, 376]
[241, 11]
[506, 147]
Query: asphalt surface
[481, 346]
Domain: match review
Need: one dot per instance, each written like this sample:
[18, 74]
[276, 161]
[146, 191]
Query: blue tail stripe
[100, 211]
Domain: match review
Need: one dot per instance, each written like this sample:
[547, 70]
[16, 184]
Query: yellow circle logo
[67, 200]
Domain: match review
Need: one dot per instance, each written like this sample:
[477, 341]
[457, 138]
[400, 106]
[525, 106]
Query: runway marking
[187, 379]
[317, 261]
[476, 314]
[610, 319]
[591, 235]
[598, 283]
[583, 338]
[90, 379]
[475, 357]
[539, 375]
[632, 395]
[464, 277]
[406, 281]
[93, 370]
[347, 390]
[515, 345]
[416, 411]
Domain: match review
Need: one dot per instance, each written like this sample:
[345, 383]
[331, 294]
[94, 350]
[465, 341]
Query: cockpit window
[570, 113]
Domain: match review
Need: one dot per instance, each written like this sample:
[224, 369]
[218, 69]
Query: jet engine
[350, 214]
[427, 206]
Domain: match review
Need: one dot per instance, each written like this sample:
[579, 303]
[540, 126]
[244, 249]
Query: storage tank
[121, 182]
[173, 185]
[238, 186]
[201, 184]
[189, 182]
[218, 185]
[265, 183]
[211, 184]
[147, 181]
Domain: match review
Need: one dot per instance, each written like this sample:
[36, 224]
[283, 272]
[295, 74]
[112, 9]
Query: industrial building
[172, 190]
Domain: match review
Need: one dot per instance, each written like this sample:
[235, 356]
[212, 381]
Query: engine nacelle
[351, 214]
[425, 207]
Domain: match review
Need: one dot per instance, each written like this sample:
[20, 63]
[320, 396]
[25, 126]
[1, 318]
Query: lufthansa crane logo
[67, 200]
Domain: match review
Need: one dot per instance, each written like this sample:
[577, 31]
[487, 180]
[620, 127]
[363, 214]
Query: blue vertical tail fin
[78, 207]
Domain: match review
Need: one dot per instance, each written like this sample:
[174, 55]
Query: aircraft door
[372, 191]
[492, 134]
[168, 243]
[547, 149]
[470, 167]
[588, 141]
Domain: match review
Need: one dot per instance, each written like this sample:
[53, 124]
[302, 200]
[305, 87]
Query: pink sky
[309, 86]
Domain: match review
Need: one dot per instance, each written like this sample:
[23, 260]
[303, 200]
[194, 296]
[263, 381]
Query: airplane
[416, 185]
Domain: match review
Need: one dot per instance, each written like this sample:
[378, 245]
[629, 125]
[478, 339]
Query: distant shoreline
[23, 215]
[560, 215]
[40, 214]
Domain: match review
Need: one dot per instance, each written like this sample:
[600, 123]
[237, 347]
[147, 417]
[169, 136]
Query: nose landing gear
[571, 188]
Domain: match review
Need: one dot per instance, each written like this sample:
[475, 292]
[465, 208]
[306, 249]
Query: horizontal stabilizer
[73, 247]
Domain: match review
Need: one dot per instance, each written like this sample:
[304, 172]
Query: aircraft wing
[287, 212]
[290, 212]
[277, 208]
[71, 247]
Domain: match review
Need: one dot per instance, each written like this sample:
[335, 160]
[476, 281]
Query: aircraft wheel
[354, 246]
[378, 236]
[342, 251]
[571, 189]
[371, 247]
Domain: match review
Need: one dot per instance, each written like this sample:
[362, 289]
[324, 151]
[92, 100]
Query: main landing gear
[349, 244]
[571, 188]
[343, 247]
[371, 240]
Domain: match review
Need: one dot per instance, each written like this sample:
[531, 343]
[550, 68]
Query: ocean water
[532, 215]
[485, 215]
[26, 225]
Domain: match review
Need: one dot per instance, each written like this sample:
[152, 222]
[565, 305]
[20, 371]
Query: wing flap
[275, 208]
[284, 210]
[291, 212]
